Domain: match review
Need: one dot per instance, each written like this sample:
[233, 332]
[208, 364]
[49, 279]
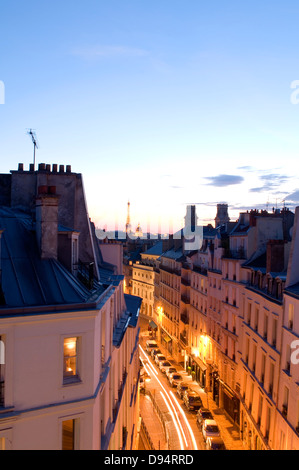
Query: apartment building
[229, 310]
[69, 369]
[287, 412]
[143, 277]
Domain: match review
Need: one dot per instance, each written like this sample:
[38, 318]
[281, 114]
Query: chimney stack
[222, 216]
[47, 221]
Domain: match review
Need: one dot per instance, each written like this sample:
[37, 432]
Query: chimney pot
[54, 168]
[68, 169]
[31, 167]
[61, 168]
[41, 166]
[48, 167]
[21, 167]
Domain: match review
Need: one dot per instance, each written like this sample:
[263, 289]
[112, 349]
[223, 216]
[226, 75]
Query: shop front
[166, 341]
[198, 370]
[230, 402]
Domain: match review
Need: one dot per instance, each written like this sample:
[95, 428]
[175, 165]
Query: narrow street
[182, 432]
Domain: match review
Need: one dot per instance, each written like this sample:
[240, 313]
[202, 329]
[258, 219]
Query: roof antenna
[35, 144]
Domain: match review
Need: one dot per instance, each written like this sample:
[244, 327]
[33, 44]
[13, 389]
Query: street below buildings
[168, 423]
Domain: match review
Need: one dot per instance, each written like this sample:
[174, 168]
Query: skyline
[158, 104]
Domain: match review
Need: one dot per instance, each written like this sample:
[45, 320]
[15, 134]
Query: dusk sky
[164, 102]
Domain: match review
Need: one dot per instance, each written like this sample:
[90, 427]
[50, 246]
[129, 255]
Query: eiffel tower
[128, 223]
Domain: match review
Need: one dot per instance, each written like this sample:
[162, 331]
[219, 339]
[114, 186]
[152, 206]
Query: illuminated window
[70, 356]
[2, 443]
[70, 434]
[291, 317]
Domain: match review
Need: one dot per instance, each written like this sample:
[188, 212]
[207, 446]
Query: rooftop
[28, 280]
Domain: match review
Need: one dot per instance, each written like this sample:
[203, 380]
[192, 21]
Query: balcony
[200, 270]
[184, 339]
[170, 270]
[118, 400]
[285, 411]
[185, 299]
[240, 253]
[185, 318]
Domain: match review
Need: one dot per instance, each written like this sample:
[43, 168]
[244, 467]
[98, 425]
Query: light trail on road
[171, 403]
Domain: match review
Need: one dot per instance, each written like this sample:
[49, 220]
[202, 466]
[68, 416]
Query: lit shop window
[70, 352]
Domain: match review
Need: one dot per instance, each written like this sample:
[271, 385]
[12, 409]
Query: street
[183, 432]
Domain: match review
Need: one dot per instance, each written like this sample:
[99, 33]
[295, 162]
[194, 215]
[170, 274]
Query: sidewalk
[229, 430]
[152, 423]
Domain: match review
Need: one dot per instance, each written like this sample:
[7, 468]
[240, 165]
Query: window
[274, 332]
[70, 359]
[285, 404]
[265, 326]
[2, 362]
[271, 378]
[2, 443]
[2, 352]
[291, 316]
[263, 368]
[249, 313]
[70, 434]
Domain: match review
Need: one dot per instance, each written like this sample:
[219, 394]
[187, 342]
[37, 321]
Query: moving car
[164, 365]
[215, 443]
[181, 388]
[210, 429]
[192, 400]
[150, 344]
[170, 370]
[202, 414]
[175, 379]
[159, 357]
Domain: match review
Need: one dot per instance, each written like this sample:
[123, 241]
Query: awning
[153, 325]
[200, 363]
[166, 338]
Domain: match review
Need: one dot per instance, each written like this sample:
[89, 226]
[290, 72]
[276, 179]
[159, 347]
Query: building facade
[228, 313]
[69, 377]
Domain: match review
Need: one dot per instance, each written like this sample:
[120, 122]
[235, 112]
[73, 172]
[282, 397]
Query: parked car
[159, 357]
[215, 443]
[155, 351]
[210, 429]
[202, 414]
[192, 400]
[181, 388]
[170, 371]
[163, 366]
[175, 379]
[150, 344]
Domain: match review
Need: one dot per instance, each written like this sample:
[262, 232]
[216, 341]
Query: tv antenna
[35, 144]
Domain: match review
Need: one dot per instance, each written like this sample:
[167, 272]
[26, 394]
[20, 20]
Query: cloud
[293, 198]
[224, 180]
[271, 181]
[98, 52]
[246, 168]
